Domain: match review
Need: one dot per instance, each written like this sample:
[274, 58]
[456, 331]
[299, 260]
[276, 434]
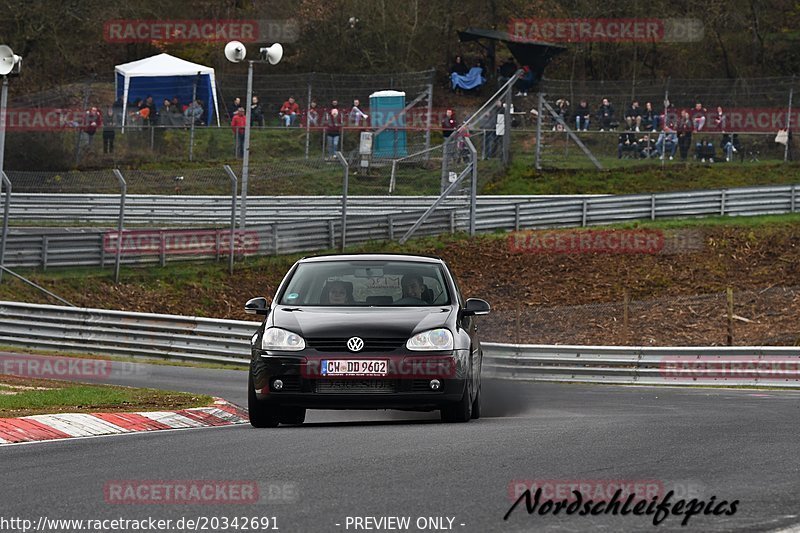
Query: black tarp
[534, 54]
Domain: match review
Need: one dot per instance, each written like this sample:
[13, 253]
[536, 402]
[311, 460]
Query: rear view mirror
[476, 306]
[257, 306]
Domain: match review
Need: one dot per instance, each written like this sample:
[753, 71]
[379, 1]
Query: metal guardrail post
[4, 183]
[793, 202]
[652, 207]
[234, 184]
[121, 223]
[584, 212]
[345, 185]
[722, 202]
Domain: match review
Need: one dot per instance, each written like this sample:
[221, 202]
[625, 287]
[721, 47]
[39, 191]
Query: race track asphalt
[729, 444]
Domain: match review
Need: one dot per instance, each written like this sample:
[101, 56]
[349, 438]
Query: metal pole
[7, 182]
[308, 125]
[430, 112]
[473, 196]
[664, 125]
[447, 148]
[788, 123]
[121, 224]
[246, 154]
[3, 107]
[507, 129]
[234, 183]
[191, 131]
[343, 161]
[539, 110]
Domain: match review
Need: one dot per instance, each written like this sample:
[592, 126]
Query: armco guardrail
[316, 224]
[101, 331]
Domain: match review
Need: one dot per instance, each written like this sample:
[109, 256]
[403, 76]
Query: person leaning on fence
[312, 115]
[256, 113]
[333, 129]
[108, 131]
[238, 124]
[667, 140]
[357, 116]
[684, 130]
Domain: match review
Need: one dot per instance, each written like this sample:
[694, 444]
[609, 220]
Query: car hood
[316, 322]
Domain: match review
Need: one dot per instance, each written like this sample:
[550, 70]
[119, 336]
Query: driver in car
[412, 290]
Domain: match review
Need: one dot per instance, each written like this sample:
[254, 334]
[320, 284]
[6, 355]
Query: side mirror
[476, 306]
[257, 306]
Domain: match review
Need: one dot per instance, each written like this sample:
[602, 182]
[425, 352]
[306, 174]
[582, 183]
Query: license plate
[353, 367]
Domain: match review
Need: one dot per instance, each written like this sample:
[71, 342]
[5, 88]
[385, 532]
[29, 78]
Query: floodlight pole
[246, 151]
[3, 106]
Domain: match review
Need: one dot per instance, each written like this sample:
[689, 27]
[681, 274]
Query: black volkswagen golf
[375, 331]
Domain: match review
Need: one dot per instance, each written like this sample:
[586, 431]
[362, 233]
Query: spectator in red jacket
[289, 111]
[238, 125]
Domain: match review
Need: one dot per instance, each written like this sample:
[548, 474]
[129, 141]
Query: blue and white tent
[165, 76]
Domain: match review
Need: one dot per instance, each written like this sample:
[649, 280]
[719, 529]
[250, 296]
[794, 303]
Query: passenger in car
[337, 293]
[412, 290]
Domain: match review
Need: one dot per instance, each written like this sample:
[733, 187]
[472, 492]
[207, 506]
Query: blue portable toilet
[385, 108]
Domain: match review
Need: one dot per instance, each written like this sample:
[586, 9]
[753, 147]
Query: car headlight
[434, 339]
[280, 339]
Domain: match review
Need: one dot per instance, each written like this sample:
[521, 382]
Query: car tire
[293, 416]
[261, 413]
[460, 411]
[476, 405]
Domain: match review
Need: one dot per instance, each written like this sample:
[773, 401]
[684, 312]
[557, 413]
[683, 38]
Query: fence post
[275, 239]
[516, 217]
[4, 182]
[730, 315]
[44, 252]
[234, 185]
[507, 129]
[652, 207]
[390, 223]
[584, 212]
[722, 202]
[473, 193]
[626, 303]
[121, 223]
[446, 149]
[345, 184]
[162, 248]
[789, 123]
[331, 235]
[430, 112]
[308, 108]
[792, 203]
[539, 110]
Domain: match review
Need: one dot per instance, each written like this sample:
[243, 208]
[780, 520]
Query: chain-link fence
[753, 318]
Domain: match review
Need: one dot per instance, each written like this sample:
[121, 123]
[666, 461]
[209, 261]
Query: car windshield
[367, 283]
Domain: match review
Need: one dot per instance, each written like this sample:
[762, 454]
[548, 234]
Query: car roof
[373, 257]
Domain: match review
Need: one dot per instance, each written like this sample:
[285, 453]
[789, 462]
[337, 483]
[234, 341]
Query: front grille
[356, 386]
[339, 344]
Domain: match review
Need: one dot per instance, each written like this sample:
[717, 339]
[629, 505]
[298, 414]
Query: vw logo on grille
[355, 344]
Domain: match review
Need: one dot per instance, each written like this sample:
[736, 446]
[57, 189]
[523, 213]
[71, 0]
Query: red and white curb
[73, 425]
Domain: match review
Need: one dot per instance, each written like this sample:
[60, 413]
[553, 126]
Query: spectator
[667, 140]
[91, 121]
[562, 109]
[647, 148]
[699, 116]
[166, 114]
[235, 105]
[633, 116]
[606, 115]
[459, 67]
[333, 129]
[288, 112]
[256, 113]
[506, 71]
[582, 116]
[730, 145]
[449, 123]
[193, 113]
[313, 115]
[152, 112]
[627, 144]
[357, 117]
[526, 82]
[109, 130]
[238, 125]
[684, 130]
[176, 105]
[651, 120]
[720, 120]
[704, 151]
